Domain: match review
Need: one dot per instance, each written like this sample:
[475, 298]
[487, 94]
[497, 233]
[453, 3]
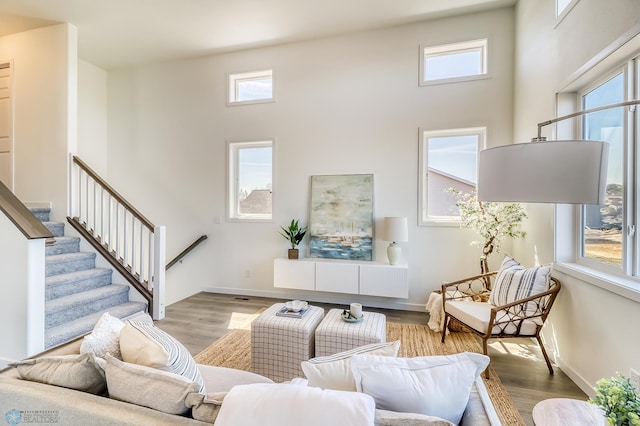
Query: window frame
[232, 148]
[450, 49]
[232, 86]
[626, 267]
[567, 224]
[561, 14]
[423, 154]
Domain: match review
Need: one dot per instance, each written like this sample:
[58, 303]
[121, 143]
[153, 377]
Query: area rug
[233, 350]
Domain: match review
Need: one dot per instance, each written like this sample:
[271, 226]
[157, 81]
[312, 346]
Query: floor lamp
[567, 172]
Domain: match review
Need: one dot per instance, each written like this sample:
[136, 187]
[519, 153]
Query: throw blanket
[278, 404]
[436, 312]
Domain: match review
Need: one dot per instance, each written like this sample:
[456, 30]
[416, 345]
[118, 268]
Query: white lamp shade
[565, 172]
[395, 229]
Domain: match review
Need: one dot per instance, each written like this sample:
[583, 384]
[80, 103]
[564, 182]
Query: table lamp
[395, 230]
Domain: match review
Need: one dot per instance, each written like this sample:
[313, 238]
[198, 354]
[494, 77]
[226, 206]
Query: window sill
[621, 285]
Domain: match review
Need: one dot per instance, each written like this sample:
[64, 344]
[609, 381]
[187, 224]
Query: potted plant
[493, 221]
[294, 233]
[619, 401]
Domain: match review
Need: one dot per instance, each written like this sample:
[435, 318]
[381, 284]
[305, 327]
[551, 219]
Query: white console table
[342, 276]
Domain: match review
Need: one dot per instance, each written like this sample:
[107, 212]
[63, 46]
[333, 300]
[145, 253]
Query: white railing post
[159, 261]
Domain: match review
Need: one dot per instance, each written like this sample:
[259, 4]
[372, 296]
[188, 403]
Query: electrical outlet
[634, 377]
[247, 273]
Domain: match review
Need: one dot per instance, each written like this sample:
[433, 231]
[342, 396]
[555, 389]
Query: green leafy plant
[493, 221]
[294, 233]
[619, 400]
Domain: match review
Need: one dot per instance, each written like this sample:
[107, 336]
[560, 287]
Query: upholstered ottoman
[280, 344]
[335, 335]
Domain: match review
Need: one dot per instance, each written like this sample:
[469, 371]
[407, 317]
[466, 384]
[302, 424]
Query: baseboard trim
[580, 381]
[319, 297]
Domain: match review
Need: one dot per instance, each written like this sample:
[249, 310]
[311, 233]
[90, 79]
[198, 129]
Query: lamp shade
[395, 229]
[565, 172]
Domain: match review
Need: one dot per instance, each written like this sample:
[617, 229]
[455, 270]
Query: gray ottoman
[335, 335]
[280, 344]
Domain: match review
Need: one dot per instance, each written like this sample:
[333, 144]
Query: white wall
[592, 333]
[45, 99]
[348, 104]
[92, 116]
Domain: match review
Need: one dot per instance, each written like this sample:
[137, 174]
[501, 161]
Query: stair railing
[129, 241]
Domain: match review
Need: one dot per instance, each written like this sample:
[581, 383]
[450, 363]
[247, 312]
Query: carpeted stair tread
[56, 228]
[41, 213]
[63, 245]
[74, 282]
[68, 262]
[63, 333]
[78, 301]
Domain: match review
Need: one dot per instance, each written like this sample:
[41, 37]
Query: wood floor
[203, 318]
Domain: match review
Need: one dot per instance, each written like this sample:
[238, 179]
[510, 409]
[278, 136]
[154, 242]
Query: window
[250, 180]
[448, 159]
[250, 87]
[563, 7]
[602, 236]
[453, 62]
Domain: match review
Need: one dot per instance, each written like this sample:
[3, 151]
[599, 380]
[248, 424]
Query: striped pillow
[515, 282]
[145, 344]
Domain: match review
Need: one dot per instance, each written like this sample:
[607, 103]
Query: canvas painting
[341, 218]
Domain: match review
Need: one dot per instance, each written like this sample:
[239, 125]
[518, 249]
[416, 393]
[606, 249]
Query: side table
[565, 411]
[335, 335]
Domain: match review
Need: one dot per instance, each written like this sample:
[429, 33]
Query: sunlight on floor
[523, 349]
[241, 321]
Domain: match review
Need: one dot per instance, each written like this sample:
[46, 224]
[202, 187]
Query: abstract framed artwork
[341, 217]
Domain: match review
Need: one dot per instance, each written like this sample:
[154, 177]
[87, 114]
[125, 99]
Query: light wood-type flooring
[203, 318]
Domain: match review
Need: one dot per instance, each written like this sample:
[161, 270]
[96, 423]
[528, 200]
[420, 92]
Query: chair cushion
[476, 315]
[515, 282]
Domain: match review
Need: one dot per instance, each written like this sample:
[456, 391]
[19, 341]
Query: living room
[349, 103]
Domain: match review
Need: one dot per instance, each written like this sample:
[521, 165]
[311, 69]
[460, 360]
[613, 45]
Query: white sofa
[19, 397]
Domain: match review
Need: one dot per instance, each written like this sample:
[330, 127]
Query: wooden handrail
[21, 216]
[186, 251]
[119, 198]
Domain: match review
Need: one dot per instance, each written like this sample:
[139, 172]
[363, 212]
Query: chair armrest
[515, 312]
[542, 301]
[468, 287]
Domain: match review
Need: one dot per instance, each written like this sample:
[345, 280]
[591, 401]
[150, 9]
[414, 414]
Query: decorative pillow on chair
[105, 337]
[145, 344]
[514, 282]
[80, 372]
[334, 371]
[431, 385]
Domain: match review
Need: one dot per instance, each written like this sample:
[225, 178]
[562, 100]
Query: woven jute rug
[233, 350]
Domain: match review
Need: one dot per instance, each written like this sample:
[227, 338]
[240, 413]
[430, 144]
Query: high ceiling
[119, 33]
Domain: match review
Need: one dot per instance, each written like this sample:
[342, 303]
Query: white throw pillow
[285, 404]
[145, 344]
[149, 387]
[334, 371]
[105, 337]
[514, 282]
[432, 385]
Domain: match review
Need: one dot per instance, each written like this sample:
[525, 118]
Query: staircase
[76, 292]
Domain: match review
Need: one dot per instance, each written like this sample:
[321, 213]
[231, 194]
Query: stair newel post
[158, 276]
